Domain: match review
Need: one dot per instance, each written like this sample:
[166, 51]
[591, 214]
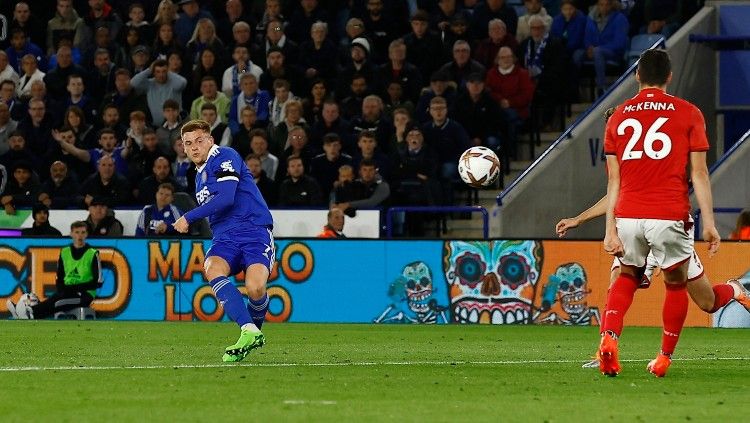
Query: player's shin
[618, 302]
[231, 299]
[258, 309]
[723, 294]
[673, 316]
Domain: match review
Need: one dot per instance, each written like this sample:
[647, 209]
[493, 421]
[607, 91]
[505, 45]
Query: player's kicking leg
[217, 270]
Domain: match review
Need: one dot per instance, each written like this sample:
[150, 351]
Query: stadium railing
[438, 209]
[569, 131]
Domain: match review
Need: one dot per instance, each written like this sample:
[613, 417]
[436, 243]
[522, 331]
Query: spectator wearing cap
[486, 50]
[480, 114]
[494, 9]
[274, 36]
[187, 19]
[40, 226]
[533, 8]
[421, 45]
[354, 28]
[440, 85]
[100, 222]
[462, 64]
[105, 184]
[512, 88]
[544, 56]
[7, 127]
[303, 19]
[65, 21]
[359, 64]
[22, 189]
[159, 84]
[398, 70]
[139, 59]
[318, 54]
[230, 84]
[59, 191]
[457, 31]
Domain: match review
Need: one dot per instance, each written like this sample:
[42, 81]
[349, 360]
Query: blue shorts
[250, 246]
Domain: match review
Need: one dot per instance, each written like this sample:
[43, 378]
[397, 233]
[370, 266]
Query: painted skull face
[418, 286]
[492, 281]
[571, 289]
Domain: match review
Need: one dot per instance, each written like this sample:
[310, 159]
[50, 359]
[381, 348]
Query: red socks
[723, 294]
[618, 301]
[673, 316]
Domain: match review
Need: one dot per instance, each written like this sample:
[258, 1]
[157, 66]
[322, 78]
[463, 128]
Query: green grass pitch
[172, 372]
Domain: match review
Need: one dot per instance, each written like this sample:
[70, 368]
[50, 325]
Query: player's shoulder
[222, 155]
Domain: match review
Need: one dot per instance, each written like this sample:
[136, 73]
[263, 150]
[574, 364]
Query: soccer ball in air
[479, 166]
[23, 308]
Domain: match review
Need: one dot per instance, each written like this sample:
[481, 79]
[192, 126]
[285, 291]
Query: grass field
[138, 371]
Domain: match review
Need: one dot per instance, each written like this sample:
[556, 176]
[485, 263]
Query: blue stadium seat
[638, 44]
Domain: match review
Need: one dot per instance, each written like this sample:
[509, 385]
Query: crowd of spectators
[338, 103]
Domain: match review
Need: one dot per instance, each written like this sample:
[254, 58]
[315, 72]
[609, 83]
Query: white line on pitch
[344, 364]
[314, 402]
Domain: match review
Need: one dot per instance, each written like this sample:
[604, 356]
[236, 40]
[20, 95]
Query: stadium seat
[80, 313]
[638, 44]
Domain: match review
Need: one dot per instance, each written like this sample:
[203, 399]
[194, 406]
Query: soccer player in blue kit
[241, 224]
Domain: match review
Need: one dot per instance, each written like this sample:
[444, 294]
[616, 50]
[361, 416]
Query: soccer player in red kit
[648, 142]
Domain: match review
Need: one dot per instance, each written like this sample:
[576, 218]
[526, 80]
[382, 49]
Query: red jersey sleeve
[610, 148]
[698, 139]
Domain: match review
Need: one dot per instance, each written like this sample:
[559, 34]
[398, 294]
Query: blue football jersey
[223, 170]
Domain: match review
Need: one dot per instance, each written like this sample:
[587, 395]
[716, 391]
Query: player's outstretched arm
[598, 209]
[222, 199]
[702, 187]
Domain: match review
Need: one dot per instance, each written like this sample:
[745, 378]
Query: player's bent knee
[256, 276]
[215, 267]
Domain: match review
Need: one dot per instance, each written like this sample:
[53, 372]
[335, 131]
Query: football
[479, 166]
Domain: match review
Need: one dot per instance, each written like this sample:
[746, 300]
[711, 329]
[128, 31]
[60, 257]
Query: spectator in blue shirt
[188, 20]
[21, 46]
[570, 26]
[249, 96]
[158, 218]
[606, 39]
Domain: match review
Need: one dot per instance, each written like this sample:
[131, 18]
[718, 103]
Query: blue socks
[258, 309]
[231, 299]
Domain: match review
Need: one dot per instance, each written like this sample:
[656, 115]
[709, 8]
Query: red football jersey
[652, 135]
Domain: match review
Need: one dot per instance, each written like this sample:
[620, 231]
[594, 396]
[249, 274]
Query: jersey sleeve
[227, 168]
[610, 148]
[697, 137]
